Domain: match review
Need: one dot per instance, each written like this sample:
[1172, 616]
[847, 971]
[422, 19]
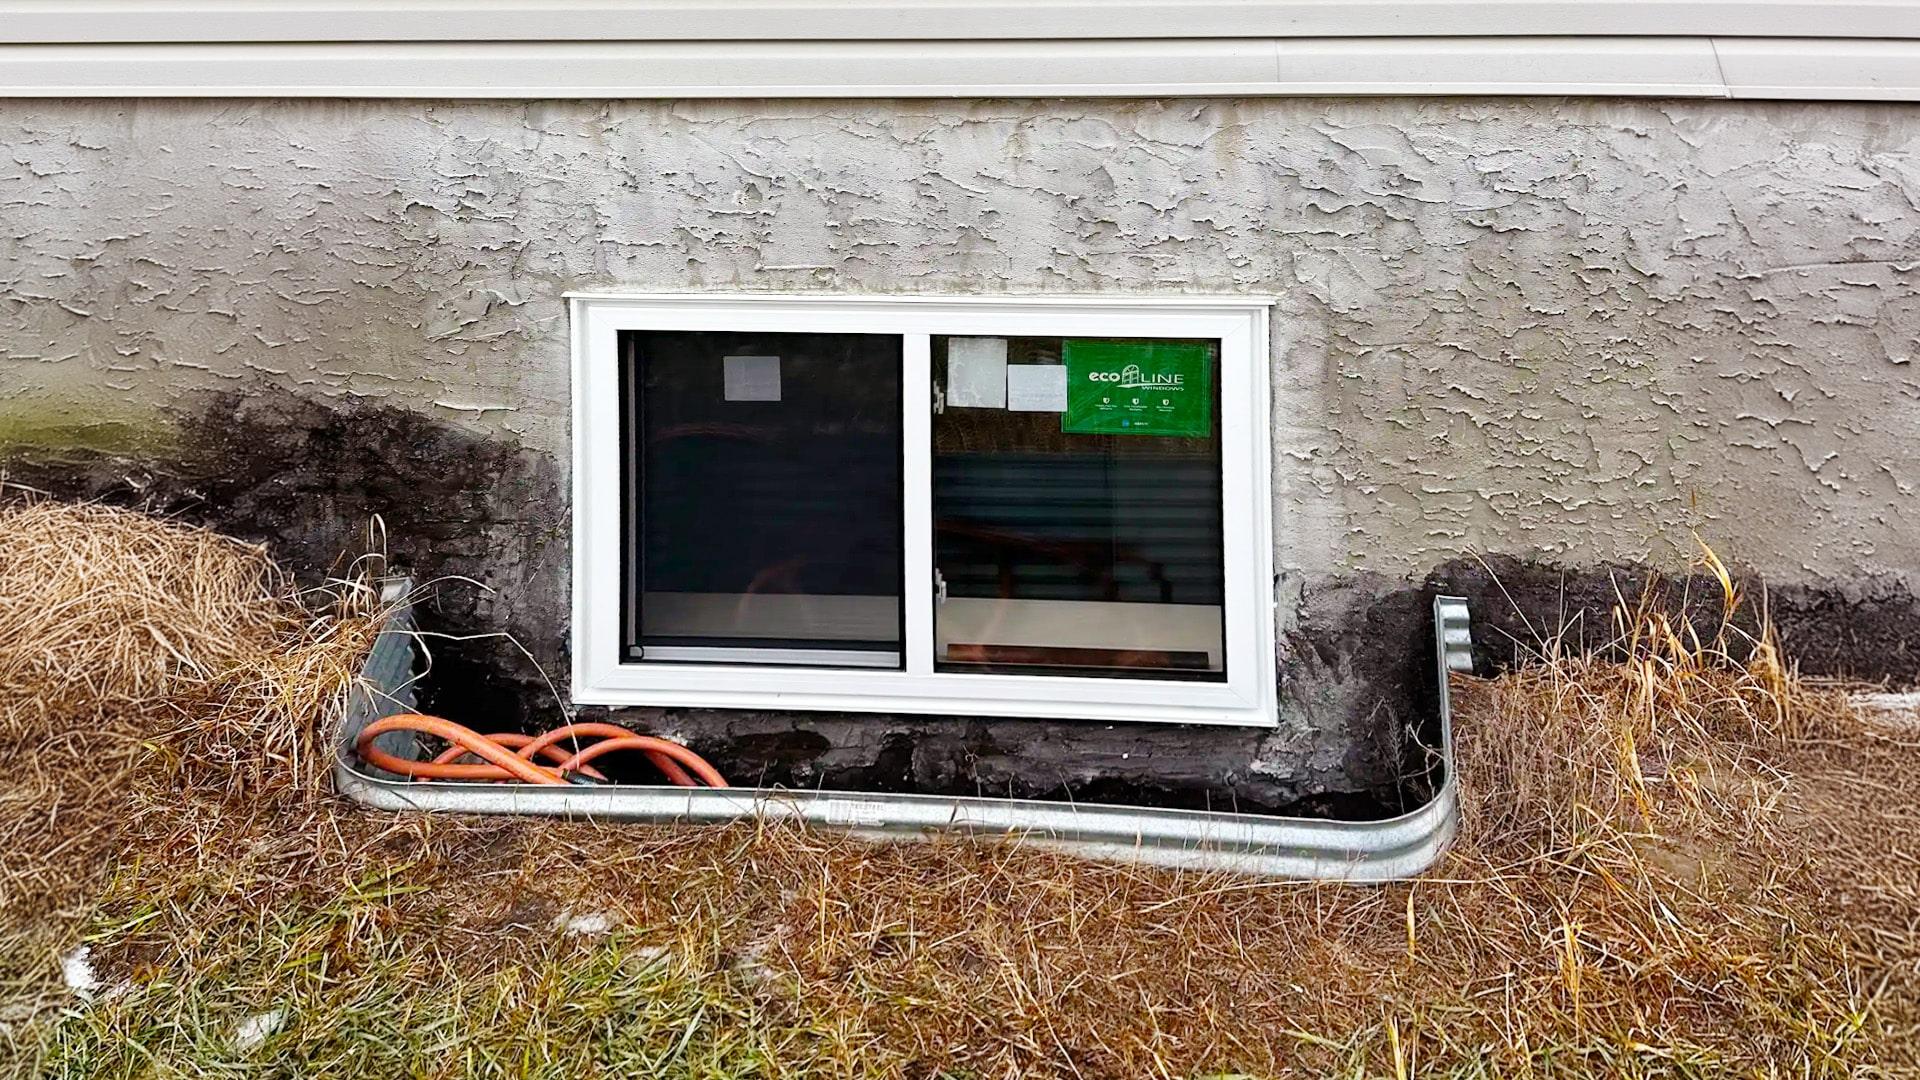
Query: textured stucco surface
[1562, 331]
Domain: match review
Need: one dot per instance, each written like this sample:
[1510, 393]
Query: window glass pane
[764, 500]
[1076, 505]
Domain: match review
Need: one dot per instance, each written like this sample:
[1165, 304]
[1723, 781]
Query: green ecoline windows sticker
[1138, 388]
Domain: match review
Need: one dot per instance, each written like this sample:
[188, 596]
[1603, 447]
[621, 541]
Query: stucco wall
[1557, 331]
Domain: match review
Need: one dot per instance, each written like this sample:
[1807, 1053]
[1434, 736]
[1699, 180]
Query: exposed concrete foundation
[1545, 334]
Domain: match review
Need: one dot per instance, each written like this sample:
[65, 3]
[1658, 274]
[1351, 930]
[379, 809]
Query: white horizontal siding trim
[1616, 67]
[1821, 69]
[315, 21]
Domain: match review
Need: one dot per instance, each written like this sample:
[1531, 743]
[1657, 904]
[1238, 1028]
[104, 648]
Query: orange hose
[544, 746]
[513, 740]
[427, 770]
[498, 762]
[686, 757]
[479, 744]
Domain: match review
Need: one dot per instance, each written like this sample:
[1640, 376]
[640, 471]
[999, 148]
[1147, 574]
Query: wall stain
[484, 520]
[1556, 333]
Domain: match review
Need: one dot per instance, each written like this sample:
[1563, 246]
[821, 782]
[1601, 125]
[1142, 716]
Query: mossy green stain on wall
[69, 431]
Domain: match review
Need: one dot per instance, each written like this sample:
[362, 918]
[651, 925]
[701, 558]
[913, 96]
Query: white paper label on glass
[1037, 388]
[977, 373]
[751, 378]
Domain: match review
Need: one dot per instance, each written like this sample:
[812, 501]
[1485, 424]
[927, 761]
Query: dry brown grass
[102, 611]
[1678, 859]
[135, 650]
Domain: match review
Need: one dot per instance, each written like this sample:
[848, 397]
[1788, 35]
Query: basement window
[997, 507]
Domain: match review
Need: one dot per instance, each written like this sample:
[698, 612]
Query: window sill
[1050, 697]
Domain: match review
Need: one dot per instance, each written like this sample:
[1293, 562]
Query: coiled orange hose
[691, 760]
[505, 760]
[499, 761]
[545, 746]
[513, 740]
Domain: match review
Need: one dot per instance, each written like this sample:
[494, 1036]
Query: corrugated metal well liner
[1259, 844]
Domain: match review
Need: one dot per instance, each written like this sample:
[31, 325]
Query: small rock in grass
[254, 1030]
[78, 971]
[592, 923]
[645, 958]
[1898, 712]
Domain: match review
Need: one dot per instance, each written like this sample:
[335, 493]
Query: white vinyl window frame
[603, 676]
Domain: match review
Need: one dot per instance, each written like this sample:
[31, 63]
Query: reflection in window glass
[1077, 507]
[764, 499]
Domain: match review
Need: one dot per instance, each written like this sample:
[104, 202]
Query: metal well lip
[1258, 844]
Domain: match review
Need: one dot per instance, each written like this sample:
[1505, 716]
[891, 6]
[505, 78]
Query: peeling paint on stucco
[1564, 331]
